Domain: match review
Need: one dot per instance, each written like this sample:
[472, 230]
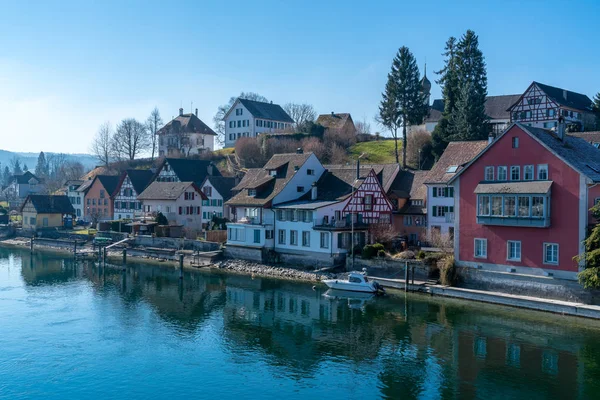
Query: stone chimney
[180, 112]
[313, 191]
[560, 129]
[196, 112]
[299, 150]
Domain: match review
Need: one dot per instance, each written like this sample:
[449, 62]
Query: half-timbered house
[132, 183]
[541, 106]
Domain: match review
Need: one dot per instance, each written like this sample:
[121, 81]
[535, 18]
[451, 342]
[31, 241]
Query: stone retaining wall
[175, 243]
[388, 267]
[244, 253]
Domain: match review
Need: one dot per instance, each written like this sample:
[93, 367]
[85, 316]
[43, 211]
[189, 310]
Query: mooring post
[75, 249]
[406, 276]
[181, 266]
[104, 256]
[31, 244]
[124, 257]
[412, 273]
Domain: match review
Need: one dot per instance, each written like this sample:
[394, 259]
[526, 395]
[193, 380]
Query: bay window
[523, 206]
[497, 206]
[510, 206]
[537, 206]
[484, 205]
[513, 210]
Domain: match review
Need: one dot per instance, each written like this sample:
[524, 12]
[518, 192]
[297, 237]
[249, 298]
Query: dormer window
[452, 169]
[252, 192]
[273, 172]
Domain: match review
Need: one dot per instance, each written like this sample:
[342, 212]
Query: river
[76, 331]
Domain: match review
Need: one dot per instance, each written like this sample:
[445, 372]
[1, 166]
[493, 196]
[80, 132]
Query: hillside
[376, 152]
[30, 159]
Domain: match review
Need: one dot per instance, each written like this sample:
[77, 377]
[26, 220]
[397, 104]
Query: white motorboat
[356, 282]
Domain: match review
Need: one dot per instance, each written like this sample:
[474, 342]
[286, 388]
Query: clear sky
[68, 66]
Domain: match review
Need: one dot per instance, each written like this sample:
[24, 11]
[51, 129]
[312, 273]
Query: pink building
[523, 202]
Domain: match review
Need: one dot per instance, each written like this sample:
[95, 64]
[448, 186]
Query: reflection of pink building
[524, 201]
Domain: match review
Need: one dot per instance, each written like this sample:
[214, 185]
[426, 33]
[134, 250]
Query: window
[497, 206]
[502, 174]
[269, 234]
[484, 205]
[251, 192]
[306, 238]
[101, 193]
[510, 206]
[515, 173]
[408, 220]
[481, 248]
[513, 250]
[88, 201]
[310, 172]
[281, 236]
[324, 240]
[300, 189]
[208, 191]
[489, 173]
[93, 202]
[515, 142]
[294, 238]
[528, 172]
[537, 206]
[237, 234]
[256, 235]
[368, 202]
[440, 211]
[550, 112]
[32, 221]
[452, 169]
[550, 253]
[523, 206]
[542, 172]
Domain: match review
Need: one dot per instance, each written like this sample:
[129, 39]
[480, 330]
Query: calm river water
[78, 331]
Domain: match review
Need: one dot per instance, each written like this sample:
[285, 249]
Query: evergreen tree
[41, 168]
[471, 122]
[403, 102]
[25, 168]
[6, 175]
[596, 109]
[449, 84]
[16, 166]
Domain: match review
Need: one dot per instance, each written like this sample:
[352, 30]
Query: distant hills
[30, 159]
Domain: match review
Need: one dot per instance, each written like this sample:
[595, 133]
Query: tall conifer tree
[403, 103]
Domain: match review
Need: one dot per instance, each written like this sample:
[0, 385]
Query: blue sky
[66, 67]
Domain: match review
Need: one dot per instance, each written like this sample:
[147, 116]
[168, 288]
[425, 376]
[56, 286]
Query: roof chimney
[565, 94]
[490, 138]
[313, 191]
[180, 112]
[196, 112]
[299, 150]
[560, 129]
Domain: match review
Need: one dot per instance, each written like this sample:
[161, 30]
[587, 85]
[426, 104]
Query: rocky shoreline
[249, 267]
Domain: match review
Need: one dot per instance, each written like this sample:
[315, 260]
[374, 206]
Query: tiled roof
[333, 121]
[164, 190]
[574, 100]
[84, 187]
[50, 204]
[386, 173]
[192, 170]
[590, 137]
[409, 184]
[268, 186]
[263, 110]
[23, 179]
[496, 107]
[223, 185]
[98, 170]
[186, 123]
[575, 151]
[525, 187]
[456, 155]
[140, 178]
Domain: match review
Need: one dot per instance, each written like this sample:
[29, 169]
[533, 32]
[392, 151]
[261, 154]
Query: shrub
[381, 253]
[447, 271]
[406, 255]
[421, 255]
[590, 278]
[432, 259]
[370, 250]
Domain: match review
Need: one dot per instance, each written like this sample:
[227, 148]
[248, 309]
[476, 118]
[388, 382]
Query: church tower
[426, 86]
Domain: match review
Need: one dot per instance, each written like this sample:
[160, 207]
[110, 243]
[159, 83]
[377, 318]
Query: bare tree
[101, 146]
[249, 153]
[316, 146]
[337, 154]
[153, 123]
[363, 127]
[418, 149]
[130, 139]
[344, 137]
[300, 113]
[218, 119]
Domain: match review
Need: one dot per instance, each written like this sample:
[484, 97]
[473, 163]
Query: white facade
[239, 122]
[186, 144]
[214, 204]
[126, 203]
[186, 210]
[76, 199]
[440, 210]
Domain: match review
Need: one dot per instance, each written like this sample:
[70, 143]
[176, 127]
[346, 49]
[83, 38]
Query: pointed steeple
[426, 85]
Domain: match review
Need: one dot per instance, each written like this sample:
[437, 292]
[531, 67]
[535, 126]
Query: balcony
[341, 225]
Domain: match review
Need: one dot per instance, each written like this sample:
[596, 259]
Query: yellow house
[45, 211]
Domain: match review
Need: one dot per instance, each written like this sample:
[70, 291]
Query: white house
[184, 136]
[75, 196]
[132, 183]
[440, 195]
[22, 185]
[217, 189]
[249, 118]
[179, 202]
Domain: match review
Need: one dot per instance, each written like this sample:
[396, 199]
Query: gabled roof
[24, 178]
[223, 185]
[574, 151]
[496, 107]
[268, 186]
[334, 121]
[49, 204]
[74, 182]
[85, 186]
[409, 184]
[167, 191]
[260, 109]
[574, 100]
[590, 137]
[186, 123]
[453, 160]
[191, 169]
[386, 173]
[110, 183]
[140, 178]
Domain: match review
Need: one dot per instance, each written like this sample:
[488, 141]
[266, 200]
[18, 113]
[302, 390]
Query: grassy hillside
[376, 152]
